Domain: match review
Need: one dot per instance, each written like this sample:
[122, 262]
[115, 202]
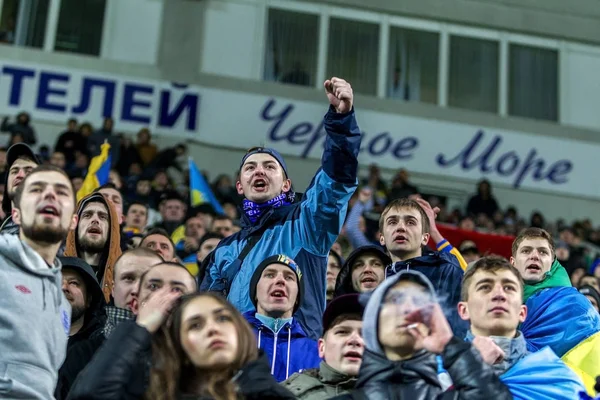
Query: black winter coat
[121, 370]
[417, 378]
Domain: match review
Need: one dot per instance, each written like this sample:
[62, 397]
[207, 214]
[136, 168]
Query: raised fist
[339, 93]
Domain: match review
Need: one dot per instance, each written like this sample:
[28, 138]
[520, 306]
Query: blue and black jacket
[304, 231]
[289, 350]
[445, 274]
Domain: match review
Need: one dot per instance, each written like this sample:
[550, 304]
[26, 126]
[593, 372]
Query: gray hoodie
[34, 322]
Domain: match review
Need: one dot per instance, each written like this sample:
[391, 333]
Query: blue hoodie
[289, 351]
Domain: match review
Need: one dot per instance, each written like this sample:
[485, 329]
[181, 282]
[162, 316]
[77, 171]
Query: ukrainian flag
[97, 172]
[200, 192]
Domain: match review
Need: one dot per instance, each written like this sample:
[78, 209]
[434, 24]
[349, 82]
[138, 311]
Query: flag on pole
[98, 172]
[200, 192]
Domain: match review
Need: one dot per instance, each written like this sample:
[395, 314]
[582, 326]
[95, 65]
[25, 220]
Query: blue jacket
[290, 351]
[304, 231]
[542, 376]
[445, 274]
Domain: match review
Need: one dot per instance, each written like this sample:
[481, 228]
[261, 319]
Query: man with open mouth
[363, 271]
[341, 349]
[558, 315]
[277, 291]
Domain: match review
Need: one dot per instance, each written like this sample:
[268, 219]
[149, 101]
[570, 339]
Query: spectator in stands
[401, 187]
[97, 138]
[206, 212]
[20, 161]
[404, 330]
[592, 295]
[341, 350]
[129, 269]
[207, 244]
[35, 322]
[136, 219]
[406, 226]
[224, 189]
[82, 290]
[114, 178]
[128, 154]
[168, 158]
[77, 182]
[143, 188]
[537, 220]
[355, 227]
[334, 265]
[145, 148]
[558, 315]
[114, 196]
[172, 209]
[121, 367]
[223, 225]
[20, 128]
[363, 270]
[159, 241]
[82, 162]
[466, 224]
[468, 249]
[277, 291]
[483, 202]
[96, 238]
[194, 230]
[58, 160]
[273, 222]
[492, 302]
[589, 280]
[70, 141]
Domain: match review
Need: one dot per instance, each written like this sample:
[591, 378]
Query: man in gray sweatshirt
[34, 313]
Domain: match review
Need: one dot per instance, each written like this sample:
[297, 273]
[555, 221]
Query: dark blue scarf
[254, 210]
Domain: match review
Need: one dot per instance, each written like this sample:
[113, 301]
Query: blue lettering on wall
[309, 134]
[130, 102]
[490, 159]
[167, 118]
[18, 75]
[87, 88]
[45, 90]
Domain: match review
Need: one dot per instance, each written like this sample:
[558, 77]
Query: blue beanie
[266, 150]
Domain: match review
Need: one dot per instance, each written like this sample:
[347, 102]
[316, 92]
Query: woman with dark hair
[204, 350]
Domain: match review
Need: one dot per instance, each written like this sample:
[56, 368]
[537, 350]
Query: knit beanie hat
[277, 259]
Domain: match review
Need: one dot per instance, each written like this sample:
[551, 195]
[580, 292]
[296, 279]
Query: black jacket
[417, 379]
[121, 370]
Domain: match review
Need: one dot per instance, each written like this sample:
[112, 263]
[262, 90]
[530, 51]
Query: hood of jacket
[25, 257]
[92, 314]
[296, 329]
[112, 250]
[343, 283]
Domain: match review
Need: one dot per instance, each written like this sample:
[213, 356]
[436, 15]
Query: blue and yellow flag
[200, 192]
[97, 172]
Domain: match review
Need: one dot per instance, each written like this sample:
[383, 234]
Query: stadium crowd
[348, 291]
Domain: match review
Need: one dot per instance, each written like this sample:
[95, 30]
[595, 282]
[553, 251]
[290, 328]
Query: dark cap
[170, 195]
[345, 304]
[87, 274]
[468, 246]
[266, 150]
[588, 290]
[18, 150]
[373, 249]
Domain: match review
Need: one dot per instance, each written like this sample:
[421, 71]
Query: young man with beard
[97, 238]
[558, 315]
[492, 302]
[34, 313]
[405, 228]
[275, 223]
[84, 293]
[119, 370]
[363, 271]
[20, 161]
[405, 333]
[341, 349]
[128, 271]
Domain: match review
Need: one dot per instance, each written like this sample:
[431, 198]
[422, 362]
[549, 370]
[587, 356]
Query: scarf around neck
[254, 211]
[556, 277]
[514, 350]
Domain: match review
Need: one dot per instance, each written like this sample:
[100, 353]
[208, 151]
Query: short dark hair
[343, 318]
[405, 203]
[137, 252]
[170, 264]
[490, 264]
[139, 203]
[533, 233]
[222, 217]
[42, 168]
[161, 232]
[208, 236]
[107, 185]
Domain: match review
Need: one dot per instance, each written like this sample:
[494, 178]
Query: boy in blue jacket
[277, 290]
[273, 222]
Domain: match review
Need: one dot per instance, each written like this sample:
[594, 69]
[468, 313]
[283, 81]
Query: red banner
[487, 243]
